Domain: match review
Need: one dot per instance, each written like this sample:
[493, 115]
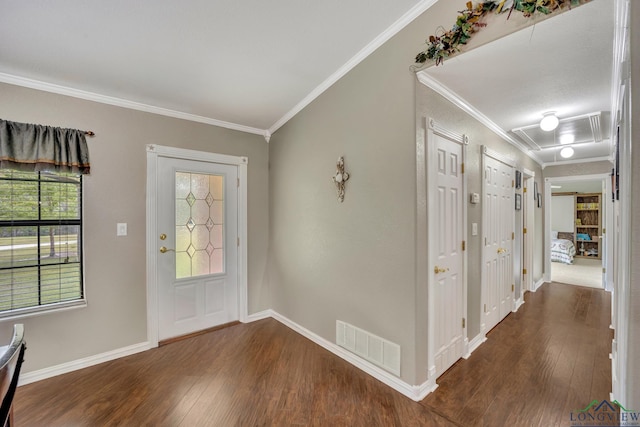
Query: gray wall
[576, 169]
[356, 261]
[563, 213]
[115, 192]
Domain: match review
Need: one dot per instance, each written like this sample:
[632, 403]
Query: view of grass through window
[40, 240]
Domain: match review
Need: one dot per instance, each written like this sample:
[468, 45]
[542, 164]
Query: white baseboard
[474, 344]
[265, 314]
[539, 283]
[519, 303]
[416, 393]
[74, 365]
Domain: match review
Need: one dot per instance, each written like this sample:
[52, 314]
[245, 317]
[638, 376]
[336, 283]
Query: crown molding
[124, 103]
[396, 27]
[464, 105]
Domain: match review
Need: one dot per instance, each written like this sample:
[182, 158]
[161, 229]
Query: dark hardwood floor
[539, 364]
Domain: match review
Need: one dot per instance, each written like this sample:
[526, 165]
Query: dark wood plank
[539, 364]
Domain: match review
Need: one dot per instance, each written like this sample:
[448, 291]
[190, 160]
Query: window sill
[39, 311]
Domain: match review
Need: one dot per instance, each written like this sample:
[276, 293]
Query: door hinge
[513, 235]
[464, 245]
[238, 241]
[463, 322]
[524, 230]
[462, 168]
[524, 271]
[604, 231]
[485, 308]
[604, 270]
[238, 182]
[513, 183]
[524, 190]
[513, 288]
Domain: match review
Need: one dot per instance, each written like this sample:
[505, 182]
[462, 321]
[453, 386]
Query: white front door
[197, 235]
[447, 254]
[498, 219]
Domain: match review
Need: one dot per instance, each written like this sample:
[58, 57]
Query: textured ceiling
[563, 64]
[254, 64]
[243, 62]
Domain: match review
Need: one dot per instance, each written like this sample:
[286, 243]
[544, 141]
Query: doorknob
[163, 236]
[440, 270]
[164, 249]
[501, 250]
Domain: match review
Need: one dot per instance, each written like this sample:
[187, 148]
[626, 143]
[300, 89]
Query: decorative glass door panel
[199, 224]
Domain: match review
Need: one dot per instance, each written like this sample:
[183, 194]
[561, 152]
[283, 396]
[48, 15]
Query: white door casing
[607, 239]
[186, 304]
[606, 204]
[529, 206]
[446, 195]
[498, 232]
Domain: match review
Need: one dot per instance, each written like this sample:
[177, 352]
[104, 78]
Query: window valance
[30, 147]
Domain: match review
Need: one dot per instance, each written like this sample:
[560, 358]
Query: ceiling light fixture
[549, 121]
[567, 138]
[566, 152]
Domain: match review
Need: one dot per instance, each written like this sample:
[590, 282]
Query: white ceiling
[562, 64]
[252, 65]
[248, 63]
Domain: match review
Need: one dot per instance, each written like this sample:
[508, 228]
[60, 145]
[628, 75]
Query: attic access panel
[587, 128]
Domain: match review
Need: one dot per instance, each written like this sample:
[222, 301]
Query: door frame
[525, 240]
[426, 181]
[153, 153]
[607, 203]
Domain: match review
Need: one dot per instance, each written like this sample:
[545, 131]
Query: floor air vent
[376, 350]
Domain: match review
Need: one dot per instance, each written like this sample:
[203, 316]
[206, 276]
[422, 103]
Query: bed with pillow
[562, 248]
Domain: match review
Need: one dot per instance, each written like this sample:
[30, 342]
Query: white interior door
[448, 260]
[197, 235]
[498, 219]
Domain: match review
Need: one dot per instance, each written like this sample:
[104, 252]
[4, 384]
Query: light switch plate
[121, 229]
[474, 229]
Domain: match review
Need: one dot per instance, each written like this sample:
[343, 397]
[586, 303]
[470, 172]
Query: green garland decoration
[447, 43]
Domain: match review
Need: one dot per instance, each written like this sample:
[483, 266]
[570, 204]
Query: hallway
[538, 365]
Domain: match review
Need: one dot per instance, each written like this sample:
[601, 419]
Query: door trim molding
[498, 156]
[425, 228]
[153, 153]
[527, 282]
[547, 213]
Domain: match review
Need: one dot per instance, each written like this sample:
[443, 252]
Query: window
[40, 241]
